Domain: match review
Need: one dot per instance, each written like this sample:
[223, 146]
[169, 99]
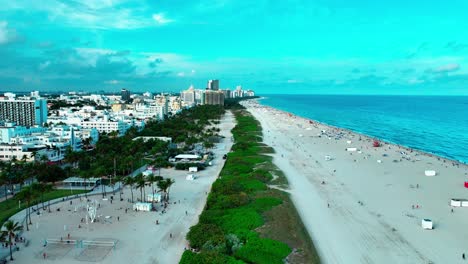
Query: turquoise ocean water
[435, 124]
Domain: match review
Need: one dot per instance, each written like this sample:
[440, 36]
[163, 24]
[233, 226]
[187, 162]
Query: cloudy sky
[287, 46]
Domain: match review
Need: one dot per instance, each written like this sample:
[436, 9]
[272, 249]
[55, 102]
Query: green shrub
[201, 233]
[263, 250]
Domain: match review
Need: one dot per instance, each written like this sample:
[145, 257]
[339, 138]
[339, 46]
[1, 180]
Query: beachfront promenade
[366, 205]
[155, 237]
[20, 217]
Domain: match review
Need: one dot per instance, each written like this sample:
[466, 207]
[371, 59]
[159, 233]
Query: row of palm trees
[8, 233]
[31, 193]
[140, 181]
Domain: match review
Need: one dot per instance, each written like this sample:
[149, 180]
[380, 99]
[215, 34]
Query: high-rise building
[125, 95]
[24, 112]
[213, 85]
[188, 96]
[227, 93]
[214, 97]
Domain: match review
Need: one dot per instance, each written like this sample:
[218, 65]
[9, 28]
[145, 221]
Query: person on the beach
[463, 256]
[45, 255]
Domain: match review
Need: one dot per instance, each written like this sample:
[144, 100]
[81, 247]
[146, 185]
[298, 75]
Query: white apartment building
[24, 112]
[52, 143]
[106, 126]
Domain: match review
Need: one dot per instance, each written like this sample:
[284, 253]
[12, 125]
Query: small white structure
[147, 173]
[458, 202]
[351, 149]
[190, 177]
[430, 173]
[328, 157]
[193, 169]
[187, 157]
[143, 207]
[349, 141]
[455, 202]
[427, 224]
[379, 161]
[153, 198]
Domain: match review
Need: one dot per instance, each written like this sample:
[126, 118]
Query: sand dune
[358, 206]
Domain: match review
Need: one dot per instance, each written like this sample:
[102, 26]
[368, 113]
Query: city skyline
[291, 46]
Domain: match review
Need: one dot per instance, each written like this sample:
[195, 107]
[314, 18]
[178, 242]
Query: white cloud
[90, 14]
[44, 65]
[113, 82]
[161, 19]
[6, 34]
[447, 68]
[414, 81]
[181, 74]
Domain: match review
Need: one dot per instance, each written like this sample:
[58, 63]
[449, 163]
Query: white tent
[142, 207]
[193, 169]
[455, 202]
[458, 202]
[427, 224]
[190, 177]
[351, 149]
[430, 173]
[153, 198]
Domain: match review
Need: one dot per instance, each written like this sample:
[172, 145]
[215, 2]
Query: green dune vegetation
[244, 220]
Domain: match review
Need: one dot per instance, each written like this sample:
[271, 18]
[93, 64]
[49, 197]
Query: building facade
[24, 112]
[214, 97]
[213, 85]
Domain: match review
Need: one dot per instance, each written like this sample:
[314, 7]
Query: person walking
[463, 256]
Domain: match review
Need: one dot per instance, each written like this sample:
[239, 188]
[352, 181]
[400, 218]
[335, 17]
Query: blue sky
[287, 46]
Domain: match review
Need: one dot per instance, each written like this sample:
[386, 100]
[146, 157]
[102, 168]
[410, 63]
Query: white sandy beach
[370, 217]
[139, 239]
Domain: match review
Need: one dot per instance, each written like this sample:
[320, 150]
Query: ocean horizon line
[369, 95]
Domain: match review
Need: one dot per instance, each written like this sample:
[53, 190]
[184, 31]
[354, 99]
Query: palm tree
[4, 181]
[119, 179]
[152, 179]
[26, 195]
[9, 230]
[34, 155]
[129, 181]
[164, 185]
[85, 175]
[140, 182]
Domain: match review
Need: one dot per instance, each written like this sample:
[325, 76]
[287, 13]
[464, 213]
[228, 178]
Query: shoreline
[366, 206]
[381, 140]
